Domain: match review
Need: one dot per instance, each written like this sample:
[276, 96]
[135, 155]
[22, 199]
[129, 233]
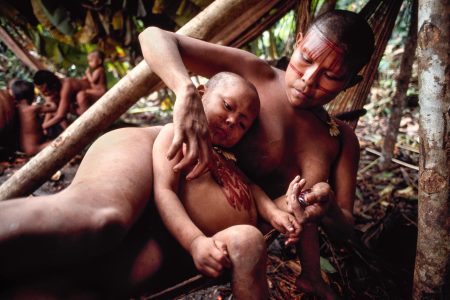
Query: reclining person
[100, 217]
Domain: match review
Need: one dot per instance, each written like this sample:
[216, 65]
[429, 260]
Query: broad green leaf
[326, 266]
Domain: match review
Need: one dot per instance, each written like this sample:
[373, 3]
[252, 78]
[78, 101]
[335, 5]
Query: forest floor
[377, 264]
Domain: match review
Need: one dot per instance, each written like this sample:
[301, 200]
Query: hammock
[381, 15]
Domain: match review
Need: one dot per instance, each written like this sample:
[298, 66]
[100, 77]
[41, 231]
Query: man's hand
[210, 256]
[318, 200]
[191, 128]
[285, 223]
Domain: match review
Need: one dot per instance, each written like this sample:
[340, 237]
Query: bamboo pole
[139, 82]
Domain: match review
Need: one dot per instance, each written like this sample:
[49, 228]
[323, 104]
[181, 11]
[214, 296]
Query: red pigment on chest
[233, 182]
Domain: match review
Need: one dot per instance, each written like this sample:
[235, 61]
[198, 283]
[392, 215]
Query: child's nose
[231, 121]
[310, 76]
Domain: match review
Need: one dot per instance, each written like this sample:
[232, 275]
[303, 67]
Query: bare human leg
[247, 251]
[310, 280]
[90, 217]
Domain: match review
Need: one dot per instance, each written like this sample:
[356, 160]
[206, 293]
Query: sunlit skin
[222, 197]
[316, 72]
[229, 117]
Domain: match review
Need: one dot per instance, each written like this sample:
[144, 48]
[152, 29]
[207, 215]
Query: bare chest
[305, 149]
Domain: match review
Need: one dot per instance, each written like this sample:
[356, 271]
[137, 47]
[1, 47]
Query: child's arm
[208, 257]
[97, 76]
[88, 76]
[63, 107]
[282, 221]
[47, 107]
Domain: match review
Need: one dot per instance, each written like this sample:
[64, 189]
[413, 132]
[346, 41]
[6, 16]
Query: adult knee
[98, 219]
[109, 225]
[246, 245]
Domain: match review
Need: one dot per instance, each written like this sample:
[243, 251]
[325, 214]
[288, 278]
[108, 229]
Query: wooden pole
[21, 54]
[139, 82]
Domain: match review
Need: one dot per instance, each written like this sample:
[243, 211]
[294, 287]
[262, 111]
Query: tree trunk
[399, 99]
[431, 274]
[139, 82]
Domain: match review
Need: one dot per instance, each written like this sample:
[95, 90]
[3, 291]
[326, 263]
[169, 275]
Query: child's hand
[292, 196]
[210, 256]
[286, 224]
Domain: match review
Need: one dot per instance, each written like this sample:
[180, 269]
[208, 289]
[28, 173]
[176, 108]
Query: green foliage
[277, 41]
[326, 266]
[57, 15]
[11, 67]
[352, 5]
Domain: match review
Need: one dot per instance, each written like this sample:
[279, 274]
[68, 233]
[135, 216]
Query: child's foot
[317, 287]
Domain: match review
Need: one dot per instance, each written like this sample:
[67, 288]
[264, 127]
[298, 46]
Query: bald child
[202, 213]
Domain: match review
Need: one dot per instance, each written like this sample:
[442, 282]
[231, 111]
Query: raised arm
[208, 258]
[170, 56]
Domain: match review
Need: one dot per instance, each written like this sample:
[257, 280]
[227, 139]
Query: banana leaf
[41, 15]
[58, 16]
[89, 30]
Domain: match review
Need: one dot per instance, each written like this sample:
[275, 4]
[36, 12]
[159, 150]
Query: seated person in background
[95, 75]
[62, 91]
[200, 213]
[32, 138]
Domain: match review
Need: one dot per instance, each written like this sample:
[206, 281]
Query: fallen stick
[397, 161]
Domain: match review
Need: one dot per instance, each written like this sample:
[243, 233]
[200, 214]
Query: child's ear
[201, 89]
[354, 81]
[298, 39]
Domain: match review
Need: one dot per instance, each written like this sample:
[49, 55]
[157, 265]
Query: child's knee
[246, 245]
[81, 96]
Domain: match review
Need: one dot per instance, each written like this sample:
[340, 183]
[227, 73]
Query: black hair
[351, 32]
[48, 78]
[22, 89]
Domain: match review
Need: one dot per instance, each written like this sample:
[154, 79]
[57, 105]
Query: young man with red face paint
[101, 215]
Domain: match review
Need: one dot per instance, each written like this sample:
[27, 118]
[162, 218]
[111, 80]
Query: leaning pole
[137, 83]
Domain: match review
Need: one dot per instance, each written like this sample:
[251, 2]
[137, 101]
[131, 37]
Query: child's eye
[227, 106]
[242, 125]
[306, 59]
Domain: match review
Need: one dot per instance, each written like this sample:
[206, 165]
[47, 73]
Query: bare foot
[317, 287]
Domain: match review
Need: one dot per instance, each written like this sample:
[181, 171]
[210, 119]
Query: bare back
[30, 129]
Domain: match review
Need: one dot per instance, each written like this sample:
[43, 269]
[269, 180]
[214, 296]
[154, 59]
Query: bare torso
[210, 209]
[286, 142]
